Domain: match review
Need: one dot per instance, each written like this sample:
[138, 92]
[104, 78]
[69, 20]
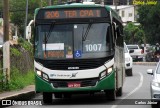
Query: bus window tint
[97, 39]
[59, 41]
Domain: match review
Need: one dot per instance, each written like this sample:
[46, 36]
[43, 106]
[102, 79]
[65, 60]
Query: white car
[128, 61]
[155, 86]
[137, 54]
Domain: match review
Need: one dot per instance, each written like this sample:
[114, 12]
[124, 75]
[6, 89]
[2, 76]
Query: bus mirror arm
[29, 30]
[118, 31]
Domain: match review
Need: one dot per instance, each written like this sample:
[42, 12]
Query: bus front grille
[83, 83]
[80, 64]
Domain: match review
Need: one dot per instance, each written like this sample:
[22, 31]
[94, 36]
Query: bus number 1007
[93, 47]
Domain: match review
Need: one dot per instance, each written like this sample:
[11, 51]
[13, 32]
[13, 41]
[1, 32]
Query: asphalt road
[135, 90]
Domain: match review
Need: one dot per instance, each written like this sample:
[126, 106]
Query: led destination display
[71, 13]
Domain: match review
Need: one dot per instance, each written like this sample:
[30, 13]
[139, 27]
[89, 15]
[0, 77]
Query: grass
[15, 52]
[19, 80]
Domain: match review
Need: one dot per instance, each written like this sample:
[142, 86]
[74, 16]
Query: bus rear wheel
[129, 72]
[119, 92]
[110, 95]
[47, 97]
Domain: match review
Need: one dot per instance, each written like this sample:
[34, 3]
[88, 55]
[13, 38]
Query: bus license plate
[74, 84]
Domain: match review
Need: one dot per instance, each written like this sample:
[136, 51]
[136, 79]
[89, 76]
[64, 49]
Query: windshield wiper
[87, 31]
[47, 35]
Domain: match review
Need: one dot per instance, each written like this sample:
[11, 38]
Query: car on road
[155, 85]
[128, 61]
[137, 54]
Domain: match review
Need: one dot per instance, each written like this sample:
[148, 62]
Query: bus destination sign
[80, 13]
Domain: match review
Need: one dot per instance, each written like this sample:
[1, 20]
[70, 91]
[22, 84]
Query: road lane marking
[133, 91]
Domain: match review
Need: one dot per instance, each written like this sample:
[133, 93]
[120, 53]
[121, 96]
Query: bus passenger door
[119, 57]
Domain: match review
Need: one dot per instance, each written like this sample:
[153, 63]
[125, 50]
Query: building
[128, 13]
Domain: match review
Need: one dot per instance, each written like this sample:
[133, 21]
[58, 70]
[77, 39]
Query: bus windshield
[66, 41]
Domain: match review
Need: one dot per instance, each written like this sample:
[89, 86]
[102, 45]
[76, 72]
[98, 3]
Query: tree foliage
[133, 34]
[1, 5]
[149, 16]
[18, 12]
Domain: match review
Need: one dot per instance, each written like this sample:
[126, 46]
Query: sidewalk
[25, 93]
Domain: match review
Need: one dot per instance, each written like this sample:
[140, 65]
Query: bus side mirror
[28, 32]
[119, 33]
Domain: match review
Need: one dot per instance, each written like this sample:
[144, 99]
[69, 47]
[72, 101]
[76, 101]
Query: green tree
[134, 34]
[140, 36]
[1, 6]
[149, 16]
[18, 10]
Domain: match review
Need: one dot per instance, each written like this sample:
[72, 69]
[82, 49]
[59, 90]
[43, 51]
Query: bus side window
[119, 36]
[118, 31]
[114, 35]
[109, 37]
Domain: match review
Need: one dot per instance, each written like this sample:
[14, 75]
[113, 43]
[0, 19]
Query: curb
[145, 63]
[23, 96]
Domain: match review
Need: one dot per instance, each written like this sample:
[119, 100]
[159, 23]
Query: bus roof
[81, 5]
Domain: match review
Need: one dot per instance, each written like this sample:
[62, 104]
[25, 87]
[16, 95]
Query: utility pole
[26, 19]
[115, 2]
[102, 2]
[59, 1]
[41, 3]
[127, 2]
[6, 45]
[50, 2]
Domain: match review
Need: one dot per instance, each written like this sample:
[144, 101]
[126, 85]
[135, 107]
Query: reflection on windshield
[66, 41]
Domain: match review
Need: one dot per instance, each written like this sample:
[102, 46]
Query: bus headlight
[42, 75]
[105, 73]
[109, 70]
[39, 73]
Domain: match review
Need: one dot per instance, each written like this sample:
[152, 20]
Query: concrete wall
[127, 14]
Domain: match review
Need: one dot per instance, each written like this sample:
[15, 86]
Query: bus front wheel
[47, 97]
[110, 94]
[58, 95]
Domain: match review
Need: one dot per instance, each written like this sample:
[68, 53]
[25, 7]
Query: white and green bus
[78, 48]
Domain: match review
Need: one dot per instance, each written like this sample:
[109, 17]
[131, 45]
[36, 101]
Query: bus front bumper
[107, 83]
